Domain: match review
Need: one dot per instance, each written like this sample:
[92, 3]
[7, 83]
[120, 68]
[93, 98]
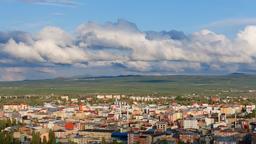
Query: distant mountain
[237, 74]
[89, 77]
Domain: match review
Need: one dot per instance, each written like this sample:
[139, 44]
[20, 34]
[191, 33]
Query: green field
[232, 85]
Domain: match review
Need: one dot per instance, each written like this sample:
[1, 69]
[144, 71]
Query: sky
[41, 39]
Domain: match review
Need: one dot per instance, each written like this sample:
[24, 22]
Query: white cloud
[110, 44]
[22, 51]
[51, 45]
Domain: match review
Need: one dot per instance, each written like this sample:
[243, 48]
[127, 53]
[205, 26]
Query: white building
[15, 107]
[190, 124]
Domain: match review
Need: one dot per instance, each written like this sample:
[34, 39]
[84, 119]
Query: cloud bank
[121, 48]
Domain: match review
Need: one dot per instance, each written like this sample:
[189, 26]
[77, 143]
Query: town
[122, 119]
[127, 72]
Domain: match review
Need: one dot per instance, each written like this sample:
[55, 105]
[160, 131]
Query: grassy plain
[173, 85]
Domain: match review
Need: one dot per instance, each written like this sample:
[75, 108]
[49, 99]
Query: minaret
[127, 113]
[120, 110]
[235, 119]
[116, 102]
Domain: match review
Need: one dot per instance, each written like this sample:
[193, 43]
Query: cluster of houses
[82, 122]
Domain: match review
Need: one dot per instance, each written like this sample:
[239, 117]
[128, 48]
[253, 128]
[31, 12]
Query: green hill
[233, 85]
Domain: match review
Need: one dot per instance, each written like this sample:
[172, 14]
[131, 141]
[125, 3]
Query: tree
[8, 123]
[14, 122]
[33, 141]
[180, 142]
[44, 140]
[115, 142]
[35, 138]
[16, 141]
[71, 142]
[52, 139]
[103, 141]
[179, 98]
[2, 136]
[8, 138]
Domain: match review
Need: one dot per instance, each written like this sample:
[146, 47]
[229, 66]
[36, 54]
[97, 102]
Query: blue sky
[188, 16]
[63, 38]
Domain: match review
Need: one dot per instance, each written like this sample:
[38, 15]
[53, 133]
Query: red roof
[69, 126]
